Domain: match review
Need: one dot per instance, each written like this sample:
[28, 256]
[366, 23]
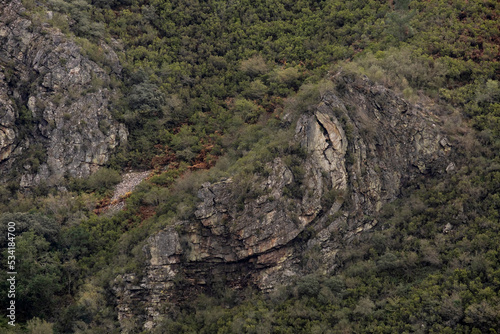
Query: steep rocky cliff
[54, 102]
[360, 145]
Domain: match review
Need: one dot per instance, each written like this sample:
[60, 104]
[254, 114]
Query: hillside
[311, 167]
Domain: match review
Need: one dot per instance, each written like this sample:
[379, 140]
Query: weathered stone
[164, 246]
[363, 144]
[450, 168]
[45, 76]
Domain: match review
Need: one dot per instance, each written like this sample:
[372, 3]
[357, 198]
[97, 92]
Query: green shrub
[254, 66]
[256, 90]
[39, 326]
[308, 286]
[104, 179]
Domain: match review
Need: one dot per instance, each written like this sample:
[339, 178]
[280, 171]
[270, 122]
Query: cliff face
[362, 144]
[54, 102]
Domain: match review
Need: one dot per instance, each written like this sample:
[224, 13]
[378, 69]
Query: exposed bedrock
[54, 102]
[363, 143]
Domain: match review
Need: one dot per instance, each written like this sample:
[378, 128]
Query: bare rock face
[54, 103]
[362, 144]
[7, 121]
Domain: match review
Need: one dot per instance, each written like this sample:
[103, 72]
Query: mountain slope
[315, 166]
[356, 150]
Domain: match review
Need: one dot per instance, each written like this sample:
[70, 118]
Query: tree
[39, 326]
[254, 66]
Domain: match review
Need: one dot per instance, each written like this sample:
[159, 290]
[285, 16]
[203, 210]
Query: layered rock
[54, 102]
[363, 143]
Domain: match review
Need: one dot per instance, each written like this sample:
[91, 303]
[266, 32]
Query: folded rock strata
[363, 143]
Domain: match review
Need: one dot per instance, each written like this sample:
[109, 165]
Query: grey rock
[363, 144]
[53, 99]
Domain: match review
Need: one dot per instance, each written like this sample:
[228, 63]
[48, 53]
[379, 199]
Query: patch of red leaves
[146, 212]
[164, 158]
[102, 205]
[201, 161]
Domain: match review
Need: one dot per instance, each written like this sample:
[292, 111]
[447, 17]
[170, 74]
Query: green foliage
[256, 90]
[254, 66]
[247, 110]
[80, 12]
[401, 69]
[308, 286]
[147, 99]
[202, 74]
[25, 117]
[167, 178]
[39, 283]
[399, 23]
[39, 326]
[175, 77]
[186, 143]
[40, 224]
[101, 181]
[330, 197]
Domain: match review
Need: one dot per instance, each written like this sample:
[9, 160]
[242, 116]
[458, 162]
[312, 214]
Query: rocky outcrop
[54, 102]
[360, 145]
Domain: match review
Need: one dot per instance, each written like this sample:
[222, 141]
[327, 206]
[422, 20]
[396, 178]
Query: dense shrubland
[207, 83]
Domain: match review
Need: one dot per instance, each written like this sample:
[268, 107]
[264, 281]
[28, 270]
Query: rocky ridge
[54, 102]
[362, 142]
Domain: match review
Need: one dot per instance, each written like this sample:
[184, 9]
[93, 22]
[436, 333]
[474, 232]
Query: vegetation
[206, 85]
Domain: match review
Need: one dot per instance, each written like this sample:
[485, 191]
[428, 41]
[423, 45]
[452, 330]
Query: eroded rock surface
[363, 143]
[54, 102]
